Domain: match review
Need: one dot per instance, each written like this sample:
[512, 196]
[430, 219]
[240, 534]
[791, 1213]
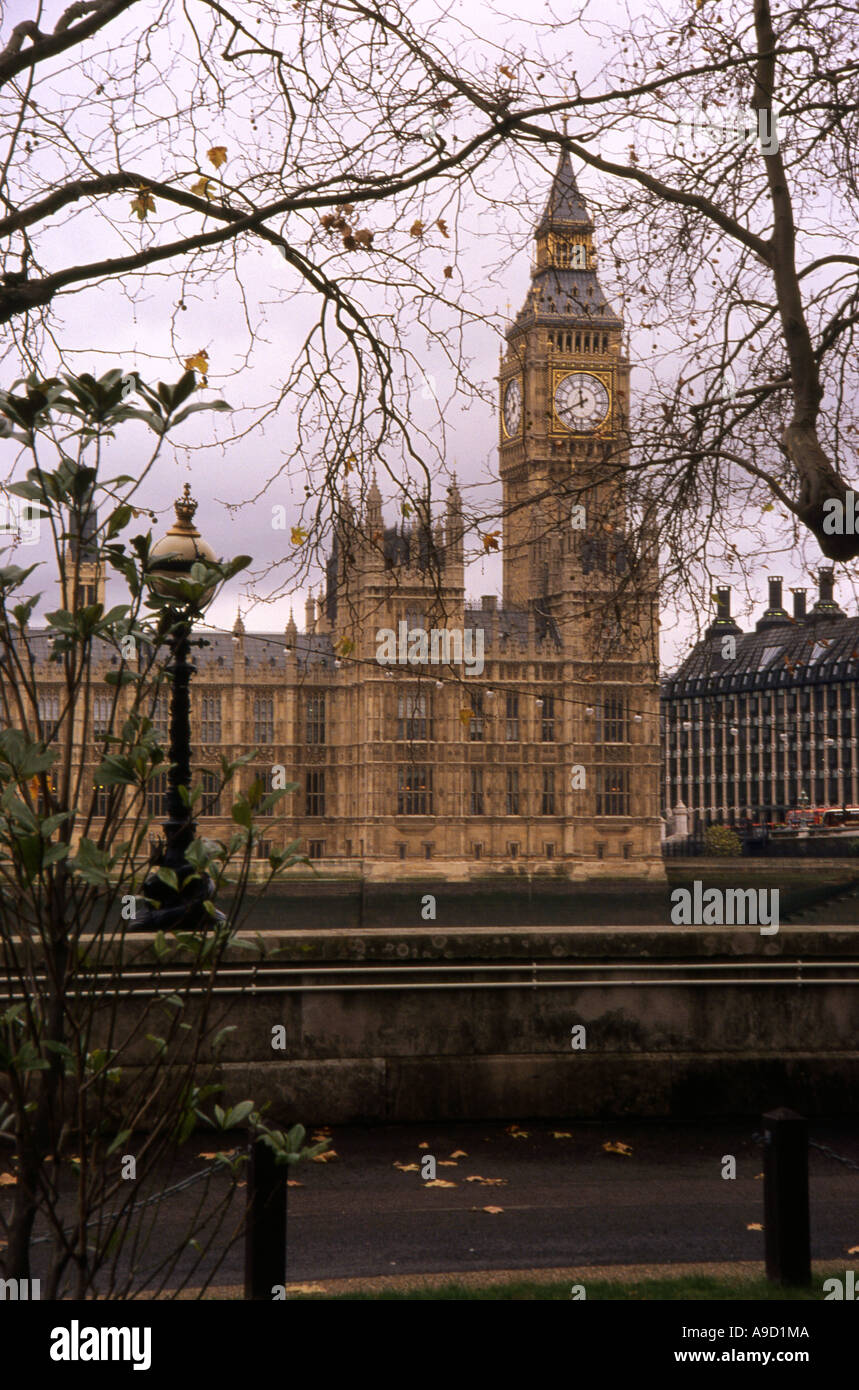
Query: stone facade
[533, 745]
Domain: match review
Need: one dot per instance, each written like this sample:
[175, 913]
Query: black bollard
[265, 1223]
[786, 1220]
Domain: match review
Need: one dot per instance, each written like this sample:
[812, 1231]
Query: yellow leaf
[623, 1149]
[561, 1134]
[207, 1156]
[293, 1182]
[198, 362]
[218, 155]
[490, 540]
[459, 1153]
[854, 1250]
[439, 1182]
[143, 203]
[466, 716]
[298, 535]
[516, 1132]
[407, 1167]
[344, 646]
[424, 1145]
[754, 1226]
[201, 187]
[487, 1182]
[7, 1180]
[493, 1211]
[326, 1157]
[757, 1176]
[447, 1163]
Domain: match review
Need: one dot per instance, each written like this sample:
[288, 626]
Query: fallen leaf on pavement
[407, 1167]
[7, 1180]
[618, 1149]
[439, 1182]
[487, 1182]
[446, 1163]
[854, 1250]
[561, 1134]
[754, 1226]
[293, 1182]
[516, 1132]
[459, 1153]
[326, 1157]
[757, 1176]
[423, 1146]
[493, 1210]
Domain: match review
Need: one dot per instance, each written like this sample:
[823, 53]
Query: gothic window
[263, 775]
[547, 733]
[612, 720]
[413, 722]
[101, 711]
[49, 715]
[314, 719]
[414, 790]
[264, 719]
[314, 793]
[210, 719]
[512, 791]
[548, 802]
[210, 803]
[476, 797]
[156, 796]
[475, 724]
[512, 719]
[159, 717]
[612, 791]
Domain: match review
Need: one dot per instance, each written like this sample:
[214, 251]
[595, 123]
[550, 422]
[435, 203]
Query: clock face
[512, 408]
[581, 401]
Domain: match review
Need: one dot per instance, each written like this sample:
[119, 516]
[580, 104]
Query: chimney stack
[775, 615]
[826, 607]
[723, 622]
[798, 605]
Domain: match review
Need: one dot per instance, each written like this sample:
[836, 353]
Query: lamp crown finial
[185, 506]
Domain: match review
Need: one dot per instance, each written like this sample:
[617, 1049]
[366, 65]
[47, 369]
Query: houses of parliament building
[430, 736]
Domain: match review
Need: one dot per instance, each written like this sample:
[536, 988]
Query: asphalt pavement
[562, 1198]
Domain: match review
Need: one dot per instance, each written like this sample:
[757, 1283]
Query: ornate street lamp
[170, 569]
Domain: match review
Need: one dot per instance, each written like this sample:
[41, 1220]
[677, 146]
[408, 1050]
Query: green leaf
[238, 1113]
[241, 814]
[168, 876]
[199, 405]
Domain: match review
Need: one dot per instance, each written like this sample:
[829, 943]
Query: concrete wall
[686, 1045]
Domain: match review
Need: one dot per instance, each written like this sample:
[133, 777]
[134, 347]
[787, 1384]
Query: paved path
[565, 1202]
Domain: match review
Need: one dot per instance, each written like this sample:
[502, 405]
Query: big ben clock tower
[564, 393]
[569, 557]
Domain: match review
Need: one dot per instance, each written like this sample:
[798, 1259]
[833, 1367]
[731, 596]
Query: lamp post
[171, 560]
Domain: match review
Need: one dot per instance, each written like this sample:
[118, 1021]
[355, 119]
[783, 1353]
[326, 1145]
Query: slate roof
[558, 293]
[821, 648]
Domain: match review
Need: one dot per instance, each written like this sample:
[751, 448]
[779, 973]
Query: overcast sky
[102, 327]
